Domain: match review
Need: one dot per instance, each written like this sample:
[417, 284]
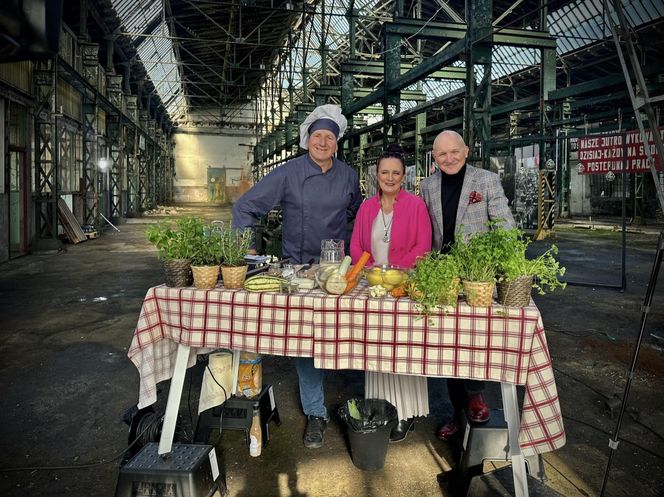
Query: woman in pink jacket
[394, 226]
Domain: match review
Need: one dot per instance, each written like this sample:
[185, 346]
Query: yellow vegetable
[374, 277]
[393, 277]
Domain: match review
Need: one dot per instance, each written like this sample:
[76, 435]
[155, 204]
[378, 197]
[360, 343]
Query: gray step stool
[187, 471]
[489, 442]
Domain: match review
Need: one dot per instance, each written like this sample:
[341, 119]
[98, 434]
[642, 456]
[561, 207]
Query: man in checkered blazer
[463, 197]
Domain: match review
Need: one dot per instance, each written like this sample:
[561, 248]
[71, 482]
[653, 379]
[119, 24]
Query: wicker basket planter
[515, 293]
[205, 276]
[479, 293]
[178, 272]
[233, 276]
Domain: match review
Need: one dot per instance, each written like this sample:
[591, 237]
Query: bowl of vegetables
[342, 278]
[389, 276]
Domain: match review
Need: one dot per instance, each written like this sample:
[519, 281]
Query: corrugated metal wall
[101, 122]
[70, 100]
[18, 75]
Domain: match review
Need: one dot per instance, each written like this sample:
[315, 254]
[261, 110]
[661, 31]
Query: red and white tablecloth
[357, 332]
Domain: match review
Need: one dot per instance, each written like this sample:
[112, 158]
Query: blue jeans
[311, 387]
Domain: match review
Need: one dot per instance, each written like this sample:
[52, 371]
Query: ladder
[623, 35]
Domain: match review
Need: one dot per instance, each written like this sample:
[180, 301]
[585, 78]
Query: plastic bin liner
[367, 415]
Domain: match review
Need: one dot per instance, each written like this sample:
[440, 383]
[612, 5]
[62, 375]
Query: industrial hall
[332, 248]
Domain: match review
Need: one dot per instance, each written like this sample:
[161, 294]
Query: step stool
[237, 415]
[187, 471]
[489, 442]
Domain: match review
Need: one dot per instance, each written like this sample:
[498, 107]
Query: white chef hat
[326, 116]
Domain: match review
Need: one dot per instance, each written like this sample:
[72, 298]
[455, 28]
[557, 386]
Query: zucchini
[263, 283]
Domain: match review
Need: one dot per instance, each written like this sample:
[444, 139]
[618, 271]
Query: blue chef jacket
[315, 205]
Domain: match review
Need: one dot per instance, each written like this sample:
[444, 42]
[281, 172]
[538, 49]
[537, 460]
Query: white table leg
[511, 407]
[236, 370]
[174, 396]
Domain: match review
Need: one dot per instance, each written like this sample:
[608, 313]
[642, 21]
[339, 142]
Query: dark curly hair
[393, 151]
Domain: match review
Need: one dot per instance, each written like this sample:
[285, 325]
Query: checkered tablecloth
[357, 332]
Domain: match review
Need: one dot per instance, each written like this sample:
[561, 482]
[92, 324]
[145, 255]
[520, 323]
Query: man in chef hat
[318, 195]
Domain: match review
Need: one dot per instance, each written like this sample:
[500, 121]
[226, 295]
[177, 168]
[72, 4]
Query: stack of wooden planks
[72, 229]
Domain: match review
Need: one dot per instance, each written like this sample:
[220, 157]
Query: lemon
[374, 277]
[387, 286]
[393, 277]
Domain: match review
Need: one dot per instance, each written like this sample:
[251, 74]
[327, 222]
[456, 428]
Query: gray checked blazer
[470, 217]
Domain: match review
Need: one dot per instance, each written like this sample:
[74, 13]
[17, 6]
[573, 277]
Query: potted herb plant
[206, 257]
[434, 281]
[518, 275]
[175, 245]
[477, 259]
[234, 245]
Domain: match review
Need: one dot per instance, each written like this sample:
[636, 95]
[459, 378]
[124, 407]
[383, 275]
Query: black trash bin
[370, 434]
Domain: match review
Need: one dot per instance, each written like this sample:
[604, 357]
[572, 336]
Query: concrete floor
[67, 320]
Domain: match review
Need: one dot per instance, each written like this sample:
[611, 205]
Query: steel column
[90, 166]
[46, 157]
[114, 132]
[392, 70]
[477, 103]
[420, 152]
[143, 179]
[132, 172]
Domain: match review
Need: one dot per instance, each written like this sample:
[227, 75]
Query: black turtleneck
[450, 192]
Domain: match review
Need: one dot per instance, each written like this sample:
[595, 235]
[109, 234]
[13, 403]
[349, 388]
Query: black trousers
[458, 390]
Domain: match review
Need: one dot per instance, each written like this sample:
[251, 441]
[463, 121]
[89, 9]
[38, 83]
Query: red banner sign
[599, 154]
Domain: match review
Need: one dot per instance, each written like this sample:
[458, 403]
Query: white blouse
[380, 248]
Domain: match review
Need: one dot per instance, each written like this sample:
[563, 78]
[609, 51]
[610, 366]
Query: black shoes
[314, 433]
[402, 428]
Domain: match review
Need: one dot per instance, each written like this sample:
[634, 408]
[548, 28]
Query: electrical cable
[607, 398]
[221, 414]
[88, 465]
[581, 491]
[582, 334]
[601, 430]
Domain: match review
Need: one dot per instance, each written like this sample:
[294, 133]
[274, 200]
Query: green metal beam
[429, 104]
[422, 28]
[366, 129]
[364, 102]
[522, 103]
[455, 122]
[367, 67]
[548, 73]
[335, 91]
[444, 58]
[587, 87]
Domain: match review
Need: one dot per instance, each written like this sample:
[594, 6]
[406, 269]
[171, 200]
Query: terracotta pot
[178, 272]
[479, 293]
[233, 276]
[515, 293]
[205, 276]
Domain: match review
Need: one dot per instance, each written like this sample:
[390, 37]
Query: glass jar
[331, 252]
